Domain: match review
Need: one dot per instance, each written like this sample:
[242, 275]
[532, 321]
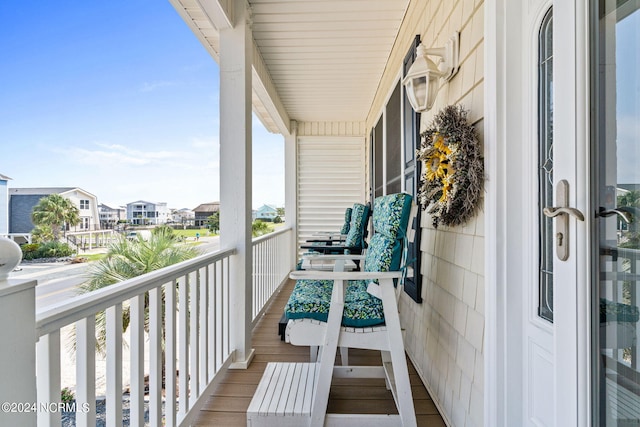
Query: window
[387, 148]
[84, 223]
[84, 204]
[545, 166]
[377, 142]
[393, 146]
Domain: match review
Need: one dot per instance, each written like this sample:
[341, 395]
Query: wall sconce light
[423, 78]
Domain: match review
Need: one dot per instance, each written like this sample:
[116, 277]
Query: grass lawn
[192, 233]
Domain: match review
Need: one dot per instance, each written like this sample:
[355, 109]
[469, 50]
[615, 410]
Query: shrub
[46, 250]
[54, 250]
[30, 250]
[66, 395]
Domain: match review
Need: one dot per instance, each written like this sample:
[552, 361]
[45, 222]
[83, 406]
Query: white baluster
[114, 366]
[136, 346]
[48, 377]
[170, 354]
[86, 371]
[155, 356]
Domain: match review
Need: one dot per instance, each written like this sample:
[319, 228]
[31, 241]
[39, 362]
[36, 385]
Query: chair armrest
[332, 257]
[327, 247]
[344, 275]
[330, 234]
[324, 240]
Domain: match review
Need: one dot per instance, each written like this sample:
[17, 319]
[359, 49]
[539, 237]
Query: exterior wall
[20, 208]
[330, 178]
[445, 334]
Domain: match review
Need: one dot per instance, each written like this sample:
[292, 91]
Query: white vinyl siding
[331, 178]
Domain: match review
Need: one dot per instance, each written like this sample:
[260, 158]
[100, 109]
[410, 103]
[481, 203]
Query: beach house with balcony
[147, 213]
[23, 200]
[526, 314]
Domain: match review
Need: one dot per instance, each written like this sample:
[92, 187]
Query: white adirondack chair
[297, 394]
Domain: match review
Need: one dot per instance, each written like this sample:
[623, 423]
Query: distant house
[266, 213]
[183, 216]
[4, 205]
[204, 211]
[23, 200]
[109, 216]
[147, 213]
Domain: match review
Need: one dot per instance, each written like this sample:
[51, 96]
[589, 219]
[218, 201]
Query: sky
[628, 94]
[120, 99]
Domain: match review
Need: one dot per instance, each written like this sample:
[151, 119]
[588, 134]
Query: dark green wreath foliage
[459, 200]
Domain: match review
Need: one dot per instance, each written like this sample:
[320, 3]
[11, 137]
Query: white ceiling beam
[219, 12]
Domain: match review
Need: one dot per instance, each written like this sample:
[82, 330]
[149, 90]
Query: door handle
[626, 216]
[554, 212]
[561, 213]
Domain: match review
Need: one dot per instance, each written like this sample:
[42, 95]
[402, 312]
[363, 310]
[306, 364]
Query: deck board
[229, 401]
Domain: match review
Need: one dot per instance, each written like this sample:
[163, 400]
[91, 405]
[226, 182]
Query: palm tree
[127, 259]
[56, 212]
[258, 228]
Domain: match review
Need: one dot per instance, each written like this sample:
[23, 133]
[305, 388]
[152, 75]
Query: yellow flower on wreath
[438, 164]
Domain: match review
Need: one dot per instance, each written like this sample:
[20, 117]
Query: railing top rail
[271, 235]
[85, 305]
[623, 252]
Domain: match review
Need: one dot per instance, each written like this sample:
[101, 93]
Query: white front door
[596, 161]
[563, 343]
[546, 255]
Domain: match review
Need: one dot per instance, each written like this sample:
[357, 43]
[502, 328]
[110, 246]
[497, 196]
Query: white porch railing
[272, 259]
[178, 330]
[188, 317]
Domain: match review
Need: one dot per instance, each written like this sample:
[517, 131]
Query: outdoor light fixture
[423, 78]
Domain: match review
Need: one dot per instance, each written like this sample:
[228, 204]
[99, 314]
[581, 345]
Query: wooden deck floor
[229, 402]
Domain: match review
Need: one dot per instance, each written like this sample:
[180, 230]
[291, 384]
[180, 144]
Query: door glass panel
[617, 152]
[545, 166]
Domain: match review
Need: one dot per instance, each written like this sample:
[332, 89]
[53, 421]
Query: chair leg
[324, 372]
[386, 357]
[404, 398]
[344, 356]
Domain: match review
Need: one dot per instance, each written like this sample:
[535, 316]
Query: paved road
[58, 282]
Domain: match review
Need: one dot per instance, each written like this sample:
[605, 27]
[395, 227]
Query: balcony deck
[230, 399]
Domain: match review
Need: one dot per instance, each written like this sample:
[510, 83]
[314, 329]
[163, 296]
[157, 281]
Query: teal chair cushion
[617, 312]
[347, 222]
[359, 217]
[391, 214]
[311, 299]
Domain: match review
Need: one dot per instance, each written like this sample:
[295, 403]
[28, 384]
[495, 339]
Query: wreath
[452, 183]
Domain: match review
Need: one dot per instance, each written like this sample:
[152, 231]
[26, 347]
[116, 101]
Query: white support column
[236, 56]
[18, 355]
[291, 187]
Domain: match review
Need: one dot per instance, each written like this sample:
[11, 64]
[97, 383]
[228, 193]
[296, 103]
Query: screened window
[393, 145]
[545, 166]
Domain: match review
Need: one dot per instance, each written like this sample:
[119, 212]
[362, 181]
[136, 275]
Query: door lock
[561, 213]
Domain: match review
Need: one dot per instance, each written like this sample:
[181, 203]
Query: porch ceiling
[324, 58]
